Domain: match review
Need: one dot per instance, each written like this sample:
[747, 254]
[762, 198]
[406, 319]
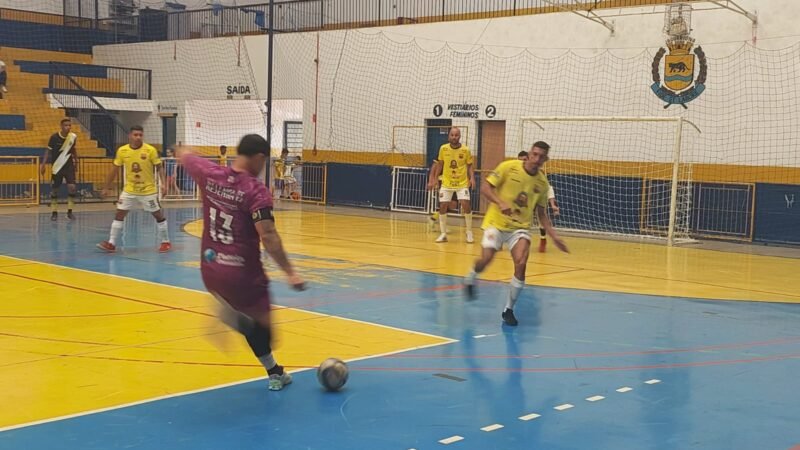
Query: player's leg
[466, 208]
[72, 191]
[124, 204]
[445, 195]
[542, 240]
[256, 327]
[54, 187]
[492, 242]
[150, 204]
[520, 245]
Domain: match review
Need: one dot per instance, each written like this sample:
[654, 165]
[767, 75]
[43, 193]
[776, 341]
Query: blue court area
[584, 370]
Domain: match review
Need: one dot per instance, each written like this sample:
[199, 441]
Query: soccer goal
[626, 176]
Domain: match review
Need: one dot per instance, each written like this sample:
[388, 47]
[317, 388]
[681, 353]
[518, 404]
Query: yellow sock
[54, 203]
[70, 201]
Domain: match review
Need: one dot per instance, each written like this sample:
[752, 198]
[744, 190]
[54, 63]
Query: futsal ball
[210, 255]
[332, 374]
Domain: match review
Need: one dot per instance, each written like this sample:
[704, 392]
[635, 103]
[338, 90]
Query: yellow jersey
[140, 168]
[280, 167]
[454, 166]
[521, 190]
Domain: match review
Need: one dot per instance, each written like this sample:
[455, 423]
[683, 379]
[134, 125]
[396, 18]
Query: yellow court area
[594, 264]
[73, 341]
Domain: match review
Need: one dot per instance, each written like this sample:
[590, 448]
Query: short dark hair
[65, 120]
[137, 128]
[522, 153]
[223, 147]
[251, 145]
[542, 145]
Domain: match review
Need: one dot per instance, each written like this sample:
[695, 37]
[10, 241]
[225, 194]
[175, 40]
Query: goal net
[617, 175]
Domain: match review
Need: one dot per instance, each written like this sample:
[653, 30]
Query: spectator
[3, 79]
[223, 158]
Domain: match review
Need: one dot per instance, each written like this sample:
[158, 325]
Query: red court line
[80, 316]
[312, 303]
[791, 340]
[474, 369]
[69, 341]
[107, 294]
[582, 369]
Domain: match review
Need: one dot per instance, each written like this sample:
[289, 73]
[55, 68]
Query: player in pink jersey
[237, 216]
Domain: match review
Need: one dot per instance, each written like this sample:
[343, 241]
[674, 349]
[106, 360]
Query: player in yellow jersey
[516, 189]
[454, 164]
[139, 161]
[551, 199]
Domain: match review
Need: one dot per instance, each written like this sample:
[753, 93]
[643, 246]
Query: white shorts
[149, 203]
[445, 195]
[494, 238]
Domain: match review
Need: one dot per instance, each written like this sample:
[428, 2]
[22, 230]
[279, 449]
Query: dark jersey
[56, 141]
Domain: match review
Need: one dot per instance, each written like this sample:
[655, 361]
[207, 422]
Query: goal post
[622, 175]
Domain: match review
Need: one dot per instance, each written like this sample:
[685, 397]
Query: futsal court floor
[621, 345]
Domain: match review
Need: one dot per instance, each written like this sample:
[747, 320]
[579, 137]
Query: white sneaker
[4, 89]
[277, 382]
[470, 237]
[442, 238]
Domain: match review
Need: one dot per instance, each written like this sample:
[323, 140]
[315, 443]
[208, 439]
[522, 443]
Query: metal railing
[300, 181]
[90, 176]
[410, 192]
[100, 81]
[86, 100]
[19, 180]
[305, 15]
[180, 185]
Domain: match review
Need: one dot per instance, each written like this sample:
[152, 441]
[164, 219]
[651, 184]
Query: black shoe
[70, 216]
[469, 291]
[508, 318]
[54, 216]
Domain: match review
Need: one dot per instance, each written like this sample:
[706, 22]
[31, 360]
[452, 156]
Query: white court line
[451, 439]
[196, 391]
[445, 341]
[564, 407]
[530, 416]
[625, 389]
[653, 381]
[595, 398]
[494, 427]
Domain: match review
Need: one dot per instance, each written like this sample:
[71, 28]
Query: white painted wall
[192, 70]
[554, 64]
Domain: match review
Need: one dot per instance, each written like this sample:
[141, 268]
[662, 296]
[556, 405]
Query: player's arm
[44, 161]
[112, 175]
[471, 170]
[155, 160]
[551, 198]
[75, 155]
[490, 192]
[116, 168]
[436, 170]
[544, 222]
[46, 158]
[489, 189]
[195, 165]
[265, 225]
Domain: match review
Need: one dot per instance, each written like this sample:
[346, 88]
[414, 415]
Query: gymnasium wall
[373, 79]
